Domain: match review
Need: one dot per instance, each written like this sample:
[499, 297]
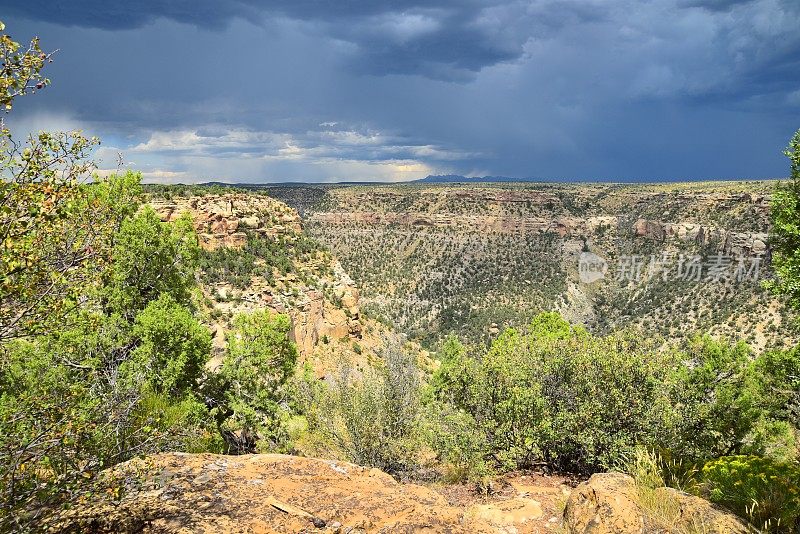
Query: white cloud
[232, 142]
[403, 27]
[164, 176]
[243, 155]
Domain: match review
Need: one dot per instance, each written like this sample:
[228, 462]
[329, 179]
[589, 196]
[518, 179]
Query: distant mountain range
[436, 179]
[456, 178]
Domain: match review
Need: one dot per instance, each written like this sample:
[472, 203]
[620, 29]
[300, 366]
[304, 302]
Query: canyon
[470, 259]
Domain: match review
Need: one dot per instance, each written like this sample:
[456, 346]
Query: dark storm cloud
[113, 15]
[715, 5]
[303, 90]
[125, 14]
[443, 39]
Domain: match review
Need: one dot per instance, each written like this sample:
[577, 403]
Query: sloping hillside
[257, 256]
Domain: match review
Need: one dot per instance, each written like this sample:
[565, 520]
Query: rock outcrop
[273, 493]
[315, 315]
[729, 242]
[220, 220]
[610, 503]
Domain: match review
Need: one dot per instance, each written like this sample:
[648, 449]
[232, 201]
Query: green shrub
[561, 396]
[77, 264]
[714, 400]
[173, 347]
[458, 442]
[250, 389]
[557, 395]
[785, 234]
[762, 490]
[65, 416]
[778, 378]
[372, 416]
[151, 257]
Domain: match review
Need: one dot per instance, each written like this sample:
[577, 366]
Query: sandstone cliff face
[316, 318]
[731, 241]
[563, 226]
[727, 241]
[221, 220]
[320, 307]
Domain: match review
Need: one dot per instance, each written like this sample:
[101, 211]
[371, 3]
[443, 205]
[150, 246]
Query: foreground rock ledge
[265, 493]
[275, 493]
[611, 503]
